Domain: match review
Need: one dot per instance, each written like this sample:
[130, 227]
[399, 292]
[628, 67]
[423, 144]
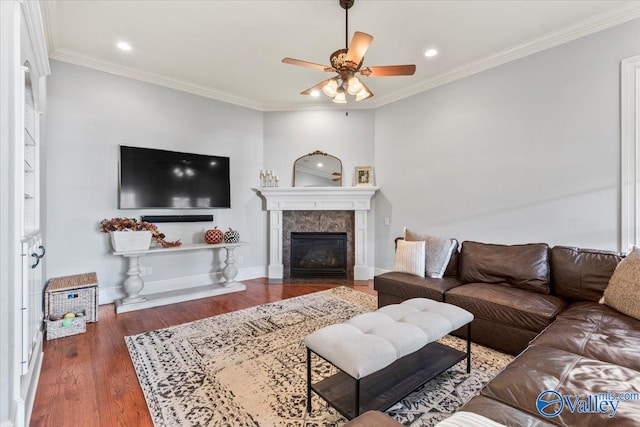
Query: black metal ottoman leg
[469, 347]
[308, 380]
[357, 411]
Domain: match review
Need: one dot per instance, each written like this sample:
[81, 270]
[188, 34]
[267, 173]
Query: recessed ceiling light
[124, 46]
[431, 52]
[315, 93]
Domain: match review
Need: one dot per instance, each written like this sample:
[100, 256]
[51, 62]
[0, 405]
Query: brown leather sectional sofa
[542, 303]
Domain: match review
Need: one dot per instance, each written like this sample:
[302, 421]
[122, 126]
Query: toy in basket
[67, 324]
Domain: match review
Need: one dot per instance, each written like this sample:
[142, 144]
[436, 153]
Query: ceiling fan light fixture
[362, 94]
[331, 88]
[340, 98]
[354, 86]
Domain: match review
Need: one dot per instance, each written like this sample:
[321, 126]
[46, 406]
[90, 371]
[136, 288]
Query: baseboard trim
[109, 295]
[379, 271]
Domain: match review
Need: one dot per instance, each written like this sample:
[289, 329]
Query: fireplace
[316, 254]
[331, 203]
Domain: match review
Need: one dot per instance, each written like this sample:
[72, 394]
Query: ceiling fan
[346, 63]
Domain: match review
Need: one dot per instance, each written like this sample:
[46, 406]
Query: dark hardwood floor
[88, 379]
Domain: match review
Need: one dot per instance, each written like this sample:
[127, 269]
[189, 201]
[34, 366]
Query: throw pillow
[623, 292]
[410, 258]
[438, 251]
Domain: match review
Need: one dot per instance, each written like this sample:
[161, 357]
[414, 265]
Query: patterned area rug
[247, 368]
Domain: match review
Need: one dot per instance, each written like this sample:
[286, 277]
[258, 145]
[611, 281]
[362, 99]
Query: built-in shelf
[28, 139]
[30, 163]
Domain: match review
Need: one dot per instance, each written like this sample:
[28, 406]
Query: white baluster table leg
[230, 271]
[133, 284]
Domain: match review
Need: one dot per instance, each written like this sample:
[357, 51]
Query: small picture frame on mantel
[363, 176]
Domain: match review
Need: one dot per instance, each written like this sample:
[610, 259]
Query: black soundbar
[176, 218]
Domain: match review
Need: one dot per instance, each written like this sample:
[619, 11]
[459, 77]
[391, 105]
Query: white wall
[90, 114]
[525, 152]
[290, 135]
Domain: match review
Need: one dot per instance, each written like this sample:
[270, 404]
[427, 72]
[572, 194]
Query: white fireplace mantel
[279, 199]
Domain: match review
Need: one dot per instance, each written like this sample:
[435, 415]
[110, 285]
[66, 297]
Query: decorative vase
[231, 236]
[126, 241]
[214, 236]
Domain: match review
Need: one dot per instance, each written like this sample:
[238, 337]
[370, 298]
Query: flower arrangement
[131, 224]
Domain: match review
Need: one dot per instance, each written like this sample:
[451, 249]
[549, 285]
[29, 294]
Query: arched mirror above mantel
[317, 169]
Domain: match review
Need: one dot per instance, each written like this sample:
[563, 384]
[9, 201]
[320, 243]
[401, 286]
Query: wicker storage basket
[55, 329]
[72, 294]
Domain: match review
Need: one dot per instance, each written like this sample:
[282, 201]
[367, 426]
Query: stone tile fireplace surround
[316, 221]
[281, 200]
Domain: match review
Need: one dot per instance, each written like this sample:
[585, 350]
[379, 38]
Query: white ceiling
[231, 50]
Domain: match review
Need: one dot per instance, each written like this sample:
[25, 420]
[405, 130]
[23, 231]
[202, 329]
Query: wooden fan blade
[316, 87]
[389, 70]
[359, 45]
[307, 64]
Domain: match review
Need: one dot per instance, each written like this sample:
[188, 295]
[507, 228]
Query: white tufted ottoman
[385, 354]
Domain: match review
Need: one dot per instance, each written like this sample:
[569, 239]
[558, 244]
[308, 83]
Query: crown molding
[33, 20]
[48, 9]
[132, 73]
[582, 28]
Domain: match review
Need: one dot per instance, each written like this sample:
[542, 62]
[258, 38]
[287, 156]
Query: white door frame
[629, 151]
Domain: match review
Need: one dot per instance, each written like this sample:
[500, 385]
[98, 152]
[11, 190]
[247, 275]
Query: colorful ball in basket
[231, 236]
[214, 236]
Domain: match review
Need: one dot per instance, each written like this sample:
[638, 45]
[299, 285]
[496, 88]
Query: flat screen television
[163, 179]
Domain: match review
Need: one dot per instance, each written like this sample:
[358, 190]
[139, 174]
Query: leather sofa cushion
[502, 413]
[511, 306]
[407, 286]
[582, 274]
[541, 368]
[596, 331]
[600, 313]
[520, 266]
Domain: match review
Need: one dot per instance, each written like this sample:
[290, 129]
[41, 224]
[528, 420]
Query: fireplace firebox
[318, 254]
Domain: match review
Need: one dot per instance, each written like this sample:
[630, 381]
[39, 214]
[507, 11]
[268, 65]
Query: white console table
[134, 284]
